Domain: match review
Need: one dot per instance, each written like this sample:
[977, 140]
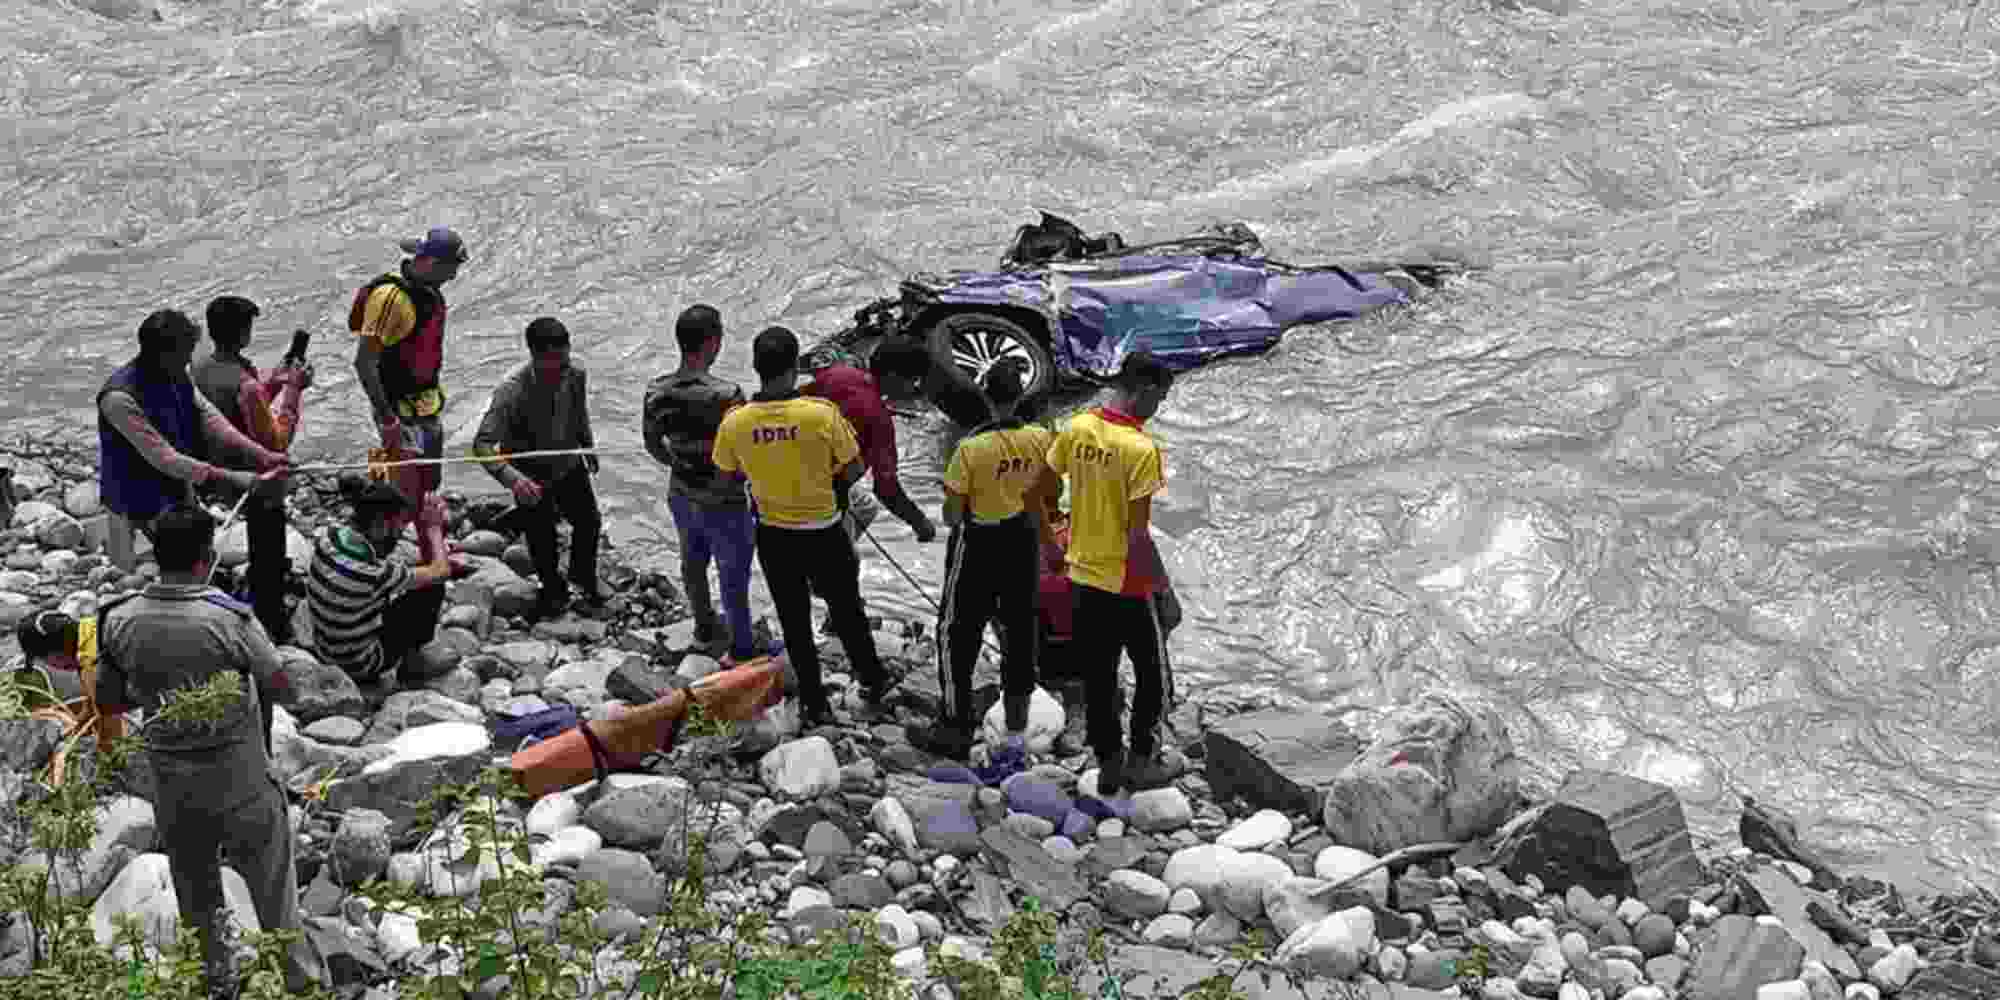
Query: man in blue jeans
[711, 511]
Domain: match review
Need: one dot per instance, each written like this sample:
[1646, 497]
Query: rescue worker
[544, 405]
[995, 496]
[216, 792]
[897, 366]
[398, 322]
[1114, 470]
[800, 458]
[154, 431]
[711, 513]
[266, 409]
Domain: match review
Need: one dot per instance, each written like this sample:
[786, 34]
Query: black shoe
[948, 740]
[815, 716]
[707, 634]
[1143, 771]
[1111, 775]
[550, 605]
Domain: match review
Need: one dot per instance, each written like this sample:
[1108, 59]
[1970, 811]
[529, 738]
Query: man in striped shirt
[371, 610]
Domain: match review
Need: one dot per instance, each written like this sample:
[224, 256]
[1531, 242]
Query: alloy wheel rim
[976, 352]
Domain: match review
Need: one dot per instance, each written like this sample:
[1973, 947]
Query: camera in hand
[297, 354]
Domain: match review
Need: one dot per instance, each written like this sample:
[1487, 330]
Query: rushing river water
[1693, 480]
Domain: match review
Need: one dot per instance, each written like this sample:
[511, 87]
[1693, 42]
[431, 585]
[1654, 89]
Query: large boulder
[1773, 891]
[145, 890]
[638, 817]
[407, 710]
[316, 690]
[1609, 833]
[125, 830]
[1739, 954]
[420, 761]
[1440, 770]
[1277, 759]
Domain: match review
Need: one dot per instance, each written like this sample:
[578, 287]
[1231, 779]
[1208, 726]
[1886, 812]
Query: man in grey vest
[216, 792]
[266, 409]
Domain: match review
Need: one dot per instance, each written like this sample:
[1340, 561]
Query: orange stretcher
[592, 749]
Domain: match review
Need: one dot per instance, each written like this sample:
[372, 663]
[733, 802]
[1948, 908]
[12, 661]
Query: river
[1692, 479]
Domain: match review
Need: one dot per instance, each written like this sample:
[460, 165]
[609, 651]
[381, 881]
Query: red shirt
[859, 399]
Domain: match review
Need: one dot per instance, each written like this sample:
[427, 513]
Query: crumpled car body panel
[1187, 309]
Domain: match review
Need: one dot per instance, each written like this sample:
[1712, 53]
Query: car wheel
[964, 346]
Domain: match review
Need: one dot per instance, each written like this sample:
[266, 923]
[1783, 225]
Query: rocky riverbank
[1407, 863]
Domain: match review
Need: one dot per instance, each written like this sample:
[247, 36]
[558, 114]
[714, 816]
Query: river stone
[1134, 895]
[1336, 863]
[1440, 770]
[627, 877]
[144, 889]
[1610, 833]
[640, 817]
[1777, 894]
[406, 710]
[1277, 759]
[1738, 955]
[801, 769]
[316, 690]
[1335, 947]
[1161, 810]
[1266, 827]
[360, 848]
[420, 761]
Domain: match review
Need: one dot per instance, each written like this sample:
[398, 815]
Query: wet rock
[1610, 833]
[857, 891]
[1767, 830]
[1441, 770]
[1654, 935]
[1740, 954]
[1277, 759]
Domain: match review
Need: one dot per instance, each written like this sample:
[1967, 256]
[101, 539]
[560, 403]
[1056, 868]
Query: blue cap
[439, 242]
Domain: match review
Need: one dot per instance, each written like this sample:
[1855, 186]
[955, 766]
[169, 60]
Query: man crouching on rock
[369, 609]
[208, 678]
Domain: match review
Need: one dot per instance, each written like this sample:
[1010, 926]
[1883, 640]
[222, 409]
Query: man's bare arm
[368, 368]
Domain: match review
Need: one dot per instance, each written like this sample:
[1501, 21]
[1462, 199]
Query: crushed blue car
[1068, 307]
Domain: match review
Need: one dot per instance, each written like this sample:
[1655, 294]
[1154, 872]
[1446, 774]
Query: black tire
[964, 345]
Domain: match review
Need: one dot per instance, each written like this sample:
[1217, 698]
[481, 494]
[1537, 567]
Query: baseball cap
[439, 242]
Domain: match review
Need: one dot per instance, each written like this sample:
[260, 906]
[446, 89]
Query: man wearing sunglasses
[398, 321]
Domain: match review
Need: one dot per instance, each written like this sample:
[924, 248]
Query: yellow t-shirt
[389, 316]
[1110, 462]
[993, 469]
[790, 448]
